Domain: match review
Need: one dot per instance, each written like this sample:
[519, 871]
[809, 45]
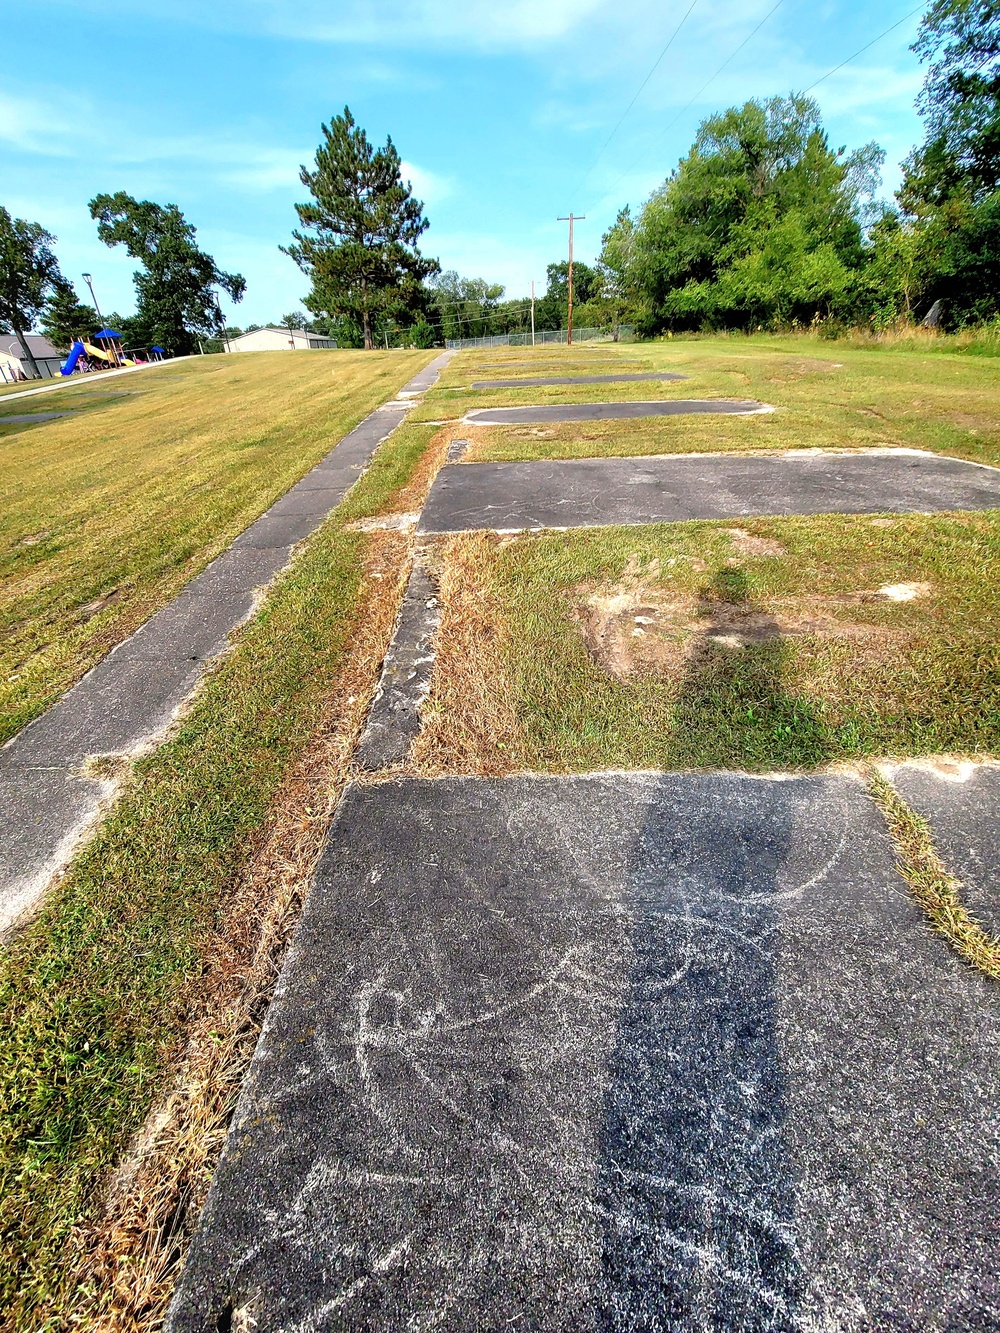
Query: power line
[728, 61]
[656, 65]
[898, 24]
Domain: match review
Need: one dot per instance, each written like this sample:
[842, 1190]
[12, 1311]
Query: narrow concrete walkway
[132, 695]
[652, 1051]
[593, 492]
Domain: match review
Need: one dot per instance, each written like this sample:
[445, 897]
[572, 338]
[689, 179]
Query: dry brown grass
[937, 891]
[469, 725]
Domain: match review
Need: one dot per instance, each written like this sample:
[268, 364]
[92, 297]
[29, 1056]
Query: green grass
[93, 993]
[828, 395]
[899, 678]
[104, 516]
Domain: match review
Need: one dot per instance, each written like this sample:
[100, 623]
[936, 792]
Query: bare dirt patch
[387, 523]
[748, 543]
[638, 627]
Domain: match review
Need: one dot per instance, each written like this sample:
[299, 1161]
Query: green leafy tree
[960, 102]
[295, 321]
[552, 310]
[465, 307]
[705, 253]
[29, 275]
[621, 287]
[175, 290]
[359, 243]
[66, 319]
[950, 194]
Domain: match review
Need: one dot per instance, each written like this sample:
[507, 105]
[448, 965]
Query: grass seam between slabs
[936, 890]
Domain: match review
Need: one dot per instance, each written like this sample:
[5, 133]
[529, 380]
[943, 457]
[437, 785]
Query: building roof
[37, 345]
[273, 328]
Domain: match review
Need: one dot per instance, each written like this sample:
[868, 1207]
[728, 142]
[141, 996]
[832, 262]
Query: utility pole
[569, 314]
[532, 312]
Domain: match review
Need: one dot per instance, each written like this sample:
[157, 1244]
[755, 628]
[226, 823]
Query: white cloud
[496, 24]
[428, 186]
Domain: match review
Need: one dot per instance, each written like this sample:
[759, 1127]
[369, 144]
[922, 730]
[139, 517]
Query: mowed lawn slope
[826, 394]
[106, 514]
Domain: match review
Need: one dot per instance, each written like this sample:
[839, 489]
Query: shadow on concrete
[695, 1187]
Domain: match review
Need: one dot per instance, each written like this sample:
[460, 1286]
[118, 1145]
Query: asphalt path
[592, 492]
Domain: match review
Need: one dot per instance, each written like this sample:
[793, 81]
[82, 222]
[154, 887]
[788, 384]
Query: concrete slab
[617, 1052]
[961, 803]
[242, 569]
[590, 492]
[394, 720]
[280, 531]
[573, 379]
[676, 407]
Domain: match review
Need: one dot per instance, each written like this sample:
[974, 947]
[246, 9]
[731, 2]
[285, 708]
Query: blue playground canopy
[107, 333]
[158, 349]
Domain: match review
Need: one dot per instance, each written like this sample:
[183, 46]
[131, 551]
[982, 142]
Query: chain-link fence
[624, 333]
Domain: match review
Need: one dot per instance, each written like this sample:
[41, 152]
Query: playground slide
[91, 350]
[69, 365]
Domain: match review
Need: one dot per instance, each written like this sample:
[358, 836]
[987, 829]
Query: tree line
[760, 225]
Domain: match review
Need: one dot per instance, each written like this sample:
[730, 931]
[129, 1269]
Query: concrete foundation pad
[961, 803]
[575, 379]
[613, 1052]
[592, 492]
[676, 407]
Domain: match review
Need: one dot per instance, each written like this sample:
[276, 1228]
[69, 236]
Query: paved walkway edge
[47, 802]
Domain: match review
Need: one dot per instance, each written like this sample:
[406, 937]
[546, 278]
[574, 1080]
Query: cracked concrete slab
[575, 379]
[590, 492]
[661, 407]
[394, 720]
[130, 697]
[961, 804]
[623, 1051]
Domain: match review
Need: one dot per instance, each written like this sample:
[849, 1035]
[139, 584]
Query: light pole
[532, 312]
[222, 322]
[87, 278]
[100, 317]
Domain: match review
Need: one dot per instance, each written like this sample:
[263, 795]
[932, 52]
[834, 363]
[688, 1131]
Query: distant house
[280, 340]
[15, 367]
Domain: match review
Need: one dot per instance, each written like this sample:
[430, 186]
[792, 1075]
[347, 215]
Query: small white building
[280, 340]
[15, 367]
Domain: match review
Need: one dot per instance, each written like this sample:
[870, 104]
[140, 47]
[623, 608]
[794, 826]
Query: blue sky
[500, 109]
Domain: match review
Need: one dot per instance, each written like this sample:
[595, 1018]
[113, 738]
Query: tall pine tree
[360, 233]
